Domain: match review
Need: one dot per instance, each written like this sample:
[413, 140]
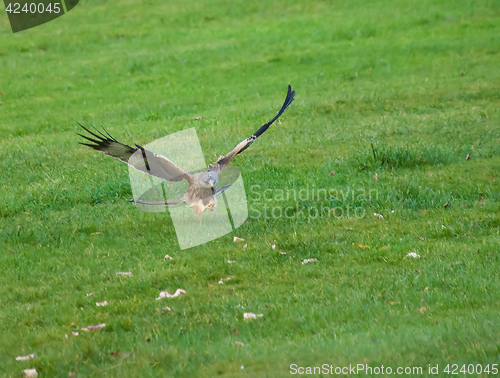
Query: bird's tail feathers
[168, 203]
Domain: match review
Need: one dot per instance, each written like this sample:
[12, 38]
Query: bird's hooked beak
[212, 187]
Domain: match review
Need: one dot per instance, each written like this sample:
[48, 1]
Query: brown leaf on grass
[332, 173]
[447, 204]
[422, 309]
[165, 294]
[94, 327]
[392, 303]
[25, 358]
[412, 254]
[235, 331]
[308, 261]
[237, 239]
[71, 374]
[30, 373]
[115, 354]
[221, 281]
[467, 157]
[74, 230]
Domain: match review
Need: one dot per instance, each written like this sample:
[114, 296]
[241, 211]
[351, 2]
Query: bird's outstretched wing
[242, 146]
[139, 158]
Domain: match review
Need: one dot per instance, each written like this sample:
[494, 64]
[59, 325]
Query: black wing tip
[94, 146]
[106, 131]
[97, 144]
[289, 97]
[83, 127]
[101, 135]
[101, 138]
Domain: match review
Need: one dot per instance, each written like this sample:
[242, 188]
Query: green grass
[403, 90]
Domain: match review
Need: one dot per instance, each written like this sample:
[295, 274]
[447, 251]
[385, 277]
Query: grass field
[391, 97]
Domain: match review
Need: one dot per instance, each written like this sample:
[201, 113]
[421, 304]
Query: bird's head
[209, 180]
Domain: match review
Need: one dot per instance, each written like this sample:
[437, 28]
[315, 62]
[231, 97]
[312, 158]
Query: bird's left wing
[145, 161]
[242, 146]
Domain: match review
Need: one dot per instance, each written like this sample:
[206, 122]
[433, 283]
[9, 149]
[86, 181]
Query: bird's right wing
[138, 158]
[242, 146]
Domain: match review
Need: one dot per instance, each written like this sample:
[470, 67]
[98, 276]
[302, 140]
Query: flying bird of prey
[202, 191]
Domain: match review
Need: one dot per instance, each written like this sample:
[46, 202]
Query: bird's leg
[198, 208]
[213, 209]
[212, 205]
